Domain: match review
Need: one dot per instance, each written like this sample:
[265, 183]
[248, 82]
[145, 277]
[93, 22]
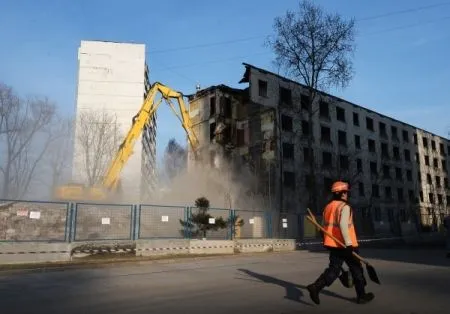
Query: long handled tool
[370, 269]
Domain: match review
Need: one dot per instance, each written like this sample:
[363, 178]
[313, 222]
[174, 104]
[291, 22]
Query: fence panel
[103, 222]
[33, 221]
[157, 221]
[286, 225]
[255, 224]
[216, 213]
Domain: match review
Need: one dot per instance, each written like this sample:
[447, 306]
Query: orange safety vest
[331, 217]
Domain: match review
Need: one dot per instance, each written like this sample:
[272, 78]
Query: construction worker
[338, 221]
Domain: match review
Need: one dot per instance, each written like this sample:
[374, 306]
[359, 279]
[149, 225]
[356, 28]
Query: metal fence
[156, 221]
[33, 221]
[103, 222]
[22, 220]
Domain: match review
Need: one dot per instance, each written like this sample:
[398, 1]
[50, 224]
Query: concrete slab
[211, 247]
[162, 247]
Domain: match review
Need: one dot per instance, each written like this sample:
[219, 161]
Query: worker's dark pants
[337, 258]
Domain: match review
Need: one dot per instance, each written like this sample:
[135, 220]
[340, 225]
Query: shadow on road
[292, 290]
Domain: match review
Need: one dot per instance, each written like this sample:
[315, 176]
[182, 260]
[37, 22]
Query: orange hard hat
[339, 186]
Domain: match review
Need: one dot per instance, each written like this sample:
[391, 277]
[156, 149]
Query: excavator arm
[147, 110]
[112, 175]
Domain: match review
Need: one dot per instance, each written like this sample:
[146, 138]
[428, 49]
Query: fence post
[232, 216]
[73, 222]
[137, 221]
[187, 215]
[68, 231]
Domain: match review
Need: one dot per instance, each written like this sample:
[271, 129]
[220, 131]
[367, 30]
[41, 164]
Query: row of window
[289, 181]
[287, 125]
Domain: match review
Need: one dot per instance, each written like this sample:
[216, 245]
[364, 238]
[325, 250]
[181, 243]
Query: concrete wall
[111, 78]
[34, 252]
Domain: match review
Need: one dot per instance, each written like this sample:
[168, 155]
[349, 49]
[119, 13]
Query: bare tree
[24, 139]
[97, 137]
[314, 48]
[58, 158]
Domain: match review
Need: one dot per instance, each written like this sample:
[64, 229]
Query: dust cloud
[225, 185]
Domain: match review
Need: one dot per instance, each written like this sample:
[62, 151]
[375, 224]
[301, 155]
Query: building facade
[113, 78]
[398, 172]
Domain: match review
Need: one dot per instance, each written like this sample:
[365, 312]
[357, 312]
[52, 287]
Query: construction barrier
[103, 222]
[34, 221]
[156, 221]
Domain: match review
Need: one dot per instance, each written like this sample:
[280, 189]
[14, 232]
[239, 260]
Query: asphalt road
[412, 282]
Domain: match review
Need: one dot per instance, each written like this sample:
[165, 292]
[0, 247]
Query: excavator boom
[112, 175]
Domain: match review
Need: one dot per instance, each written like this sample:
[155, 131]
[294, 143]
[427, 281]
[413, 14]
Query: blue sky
[401, 63]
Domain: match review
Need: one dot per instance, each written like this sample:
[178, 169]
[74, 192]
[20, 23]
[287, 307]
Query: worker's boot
[365, 298]
[315, 288]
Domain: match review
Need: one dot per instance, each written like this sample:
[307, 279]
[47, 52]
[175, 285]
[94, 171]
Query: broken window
[425, 142]
[355, 119]
[371, 144]
[386, 171]
[359, 166]
[357, 141]
[305, 102]
[342, 138]
[325, 134]
[429, 181]
[431, 198]
[286, 123]
[306, 154]
[373, 168]
[262, 88]
[212, 106]
[288, 151]
[382, 127]
[400, 194]
[415, 138]
[444, 164]
[438, 181]
[324, 111]
[435, 163]
[441, 149]
[446, 185]
[343, 162]
[440, 199]
[375, 190]
[289, 179]
[394, 132]
[361, 189]
[369, 124]
[384, 150]
[411, 196]
[285, 96]
[409, 175]
[405, 136]
[340, 114]
[427, 160]
[212, 130]
[398, 174]
[388, 192]
[305, 128]
[225, 107]
[327, 160]
[407, 155]
[396, 152]
[433, 145]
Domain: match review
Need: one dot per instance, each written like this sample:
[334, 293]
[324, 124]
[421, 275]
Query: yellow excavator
[108, 188]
